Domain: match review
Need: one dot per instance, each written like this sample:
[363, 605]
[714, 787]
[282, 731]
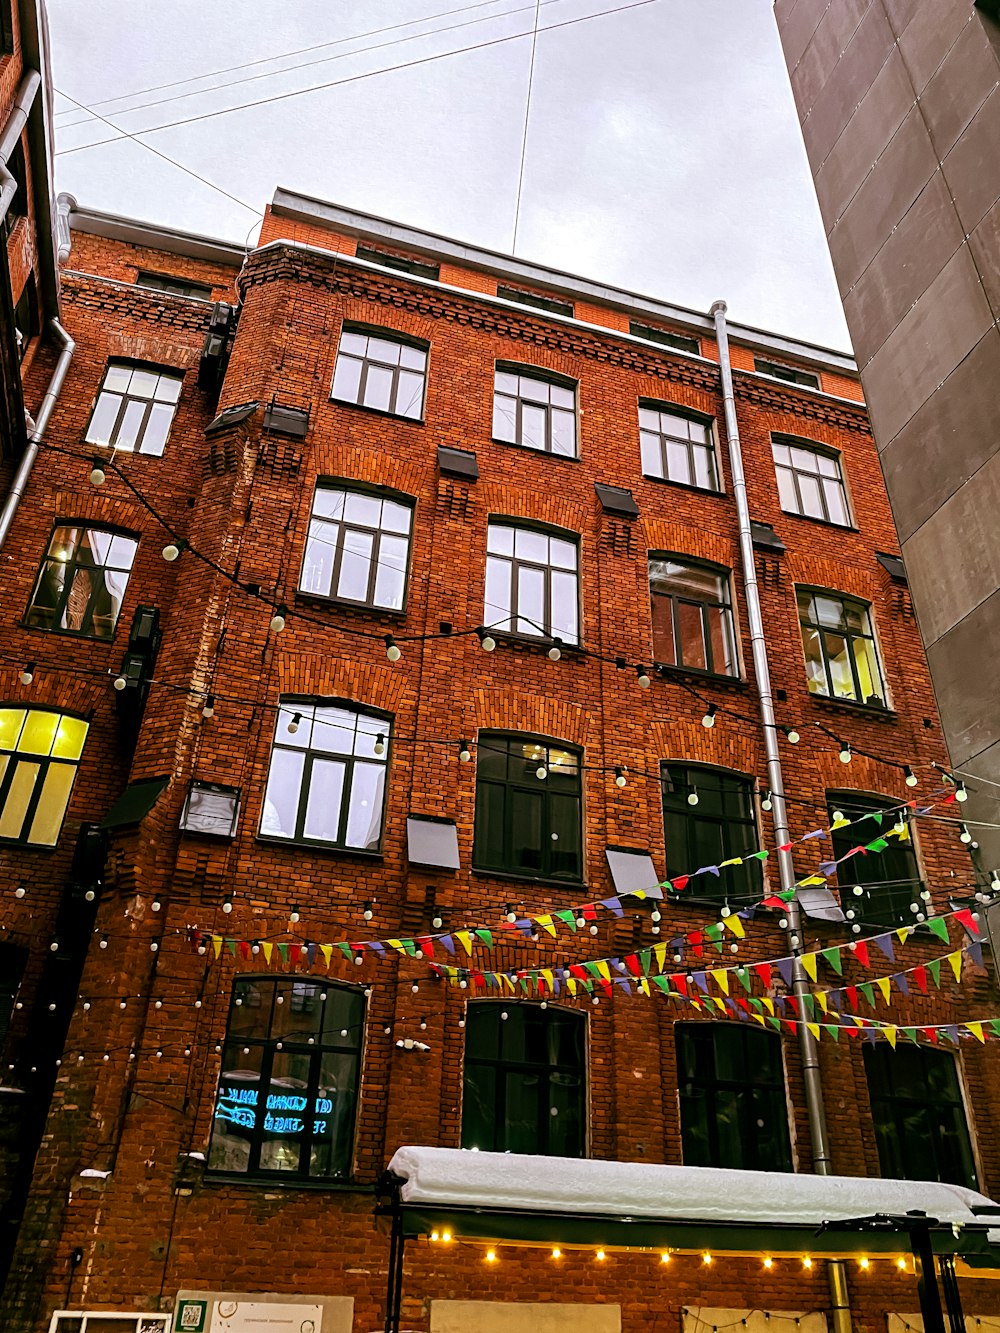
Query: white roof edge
[148, 234]
[510, 1182]
[368, 226]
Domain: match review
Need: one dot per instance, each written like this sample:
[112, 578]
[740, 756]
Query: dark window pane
[918, 1115]
[692, 616]
[527, 824]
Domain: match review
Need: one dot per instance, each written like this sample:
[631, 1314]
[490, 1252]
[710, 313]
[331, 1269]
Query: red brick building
[374, 599]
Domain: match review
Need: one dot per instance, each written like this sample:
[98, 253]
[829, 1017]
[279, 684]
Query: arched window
[135, 407]
[677, 445]
[529, 808]
[708, 818]
[358, 548]
[919, 1117]
[81, 581]
[692, 616]
[839, 643]
[810, 480]
[39, 754]
[532, 583]
[291, 1070]
[535, 409]
[889, 880]
[383, 371]
[525, 1083]
[734, 1111]
[326, 781]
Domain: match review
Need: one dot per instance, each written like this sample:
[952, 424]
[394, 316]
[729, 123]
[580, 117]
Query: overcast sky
[663, 152]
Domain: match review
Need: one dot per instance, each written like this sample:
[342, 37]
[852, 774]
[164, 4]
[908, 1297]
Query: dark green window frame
[71, 562]
[512, 800]
[841, 654]
[734, 1108]
[722, 824]
[524, 1079]
[919, 1115]
[890, 880]
[286, 1104]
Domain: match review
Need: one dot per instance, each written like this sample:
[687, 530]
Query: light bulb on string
[464, 753]
[766, 802]
[227, 904]
[293, 725]
[593, 928]
[655, 914]
[155, 905]
[965, 836]
[620, 778]
[791, 735]
[280, 618]
[379, 746]
[28, 674]
[173, 549]
[367, 913]
[293, 915]
[845, 752]
[20, 891]
[97, 474]
[644, 680]
[486, 639]
[391, 651]
[541, 772]
[119, 682]
[960, 792]
[581, 921]
[555, 652]
[208, 707]
[437, 921]
[909, 777]
[693, 796]
[709, 719]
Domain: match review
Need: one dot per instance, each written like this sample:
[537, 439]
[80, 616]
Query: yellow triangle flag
[464, 938]
[719, 1004]
[768, 1005]
[660, 954]
[397, 945]
[510, 982]
[977, 1031]
[733, 861]
[902, 934]
[821, 1000]
[814, 1029]
[571, 985]
[721, 979]
[885, 986]
[604, 970]
[955, 959]
[858, 1021]
[216, 945]
[547, 977]
[327, 951]
[759, 1018]
[809, 965]
[644, 985]
[267, 949]
[810, 880]
[546, 924]
[890, 1036]
[735, 925]
[840, 823]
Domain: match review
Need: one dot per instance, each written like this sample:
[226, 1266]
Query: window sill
[352, 608]
[536, 642]
[219, 1179]
[686, 486]
[376, 411]
[668, 671]
[820, 522]
[295, 845]
[32, 846]
[541, 453]
[851, 708]
[522, 877]
[68, 633]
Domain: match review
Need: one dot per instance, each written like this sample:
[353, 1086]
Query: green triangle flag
[593, 969]
[231, 946]
[568, 918]
[833, 1030]
[786, 895]
[808, 1004]
[645, 961]
[283, 950]
[345, 949]
[939, 926]
[876, 815]
[485, 935]
[663, 984]
[994, 1026]
[868, 992]
[743, 977]
[757, 856]
[832, 956]
[911, 1033]
[775, 1022]
[756, 1005]
[934, 968]
[411, 948]
[877, 845]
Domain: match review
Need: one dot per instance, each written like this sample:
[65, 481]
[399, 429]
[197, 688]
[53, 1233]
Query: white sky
[663, 151]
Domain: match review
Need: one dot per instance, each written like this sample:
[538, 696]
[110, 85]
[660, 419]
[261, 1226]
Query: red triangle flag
[852, 995]
[294, 952]
[920, 977]
[680, 981]
[632, 963]
[680, 882]
[861, 953]
[763, 970]
[964, 915]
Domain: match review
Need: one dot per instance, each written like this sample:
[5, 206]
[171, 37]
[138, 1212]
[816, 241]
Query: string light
[766, 803]
[965, 836]
[901, 1265]
[768, 1262]
[208, 708]
[556, 1252]
[279, 619]
[293, 915]
[845, 752]
[379, 746]
[97, 474]
[807, 1262]
[665, 1257]
[791, 735]
[486, 640]
[464, 753]
[227, 904]
[173, 549]
[367, 913]
[28, 674]
[119, 682]
[960, 792]
[491, 1256]
[541, 772]
[293, 726]
[706, 1258]
[20, 891]
[391, 651]
[909, 777]
[620, 778]
[644, 681]
[600, 1256]
[709, 719]
[863, 1263]
[693, 796]
[555, 652]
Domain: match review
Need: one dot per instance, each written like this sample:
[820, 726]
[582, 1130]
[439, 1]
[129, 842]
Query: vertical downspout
[808, 1045]
[13, 498]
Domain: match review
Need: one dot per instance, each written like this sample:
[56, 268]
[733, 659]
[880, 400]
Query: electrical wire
[356, 78]
[524, 136]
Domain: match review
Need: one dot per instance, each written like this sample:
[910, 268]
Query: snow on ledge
[511, 1182]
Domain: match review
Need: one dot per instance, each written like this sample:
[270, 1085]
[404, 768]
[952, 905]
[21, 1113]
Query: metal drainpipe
[808, 1045]
[27, 462]
[23, 103]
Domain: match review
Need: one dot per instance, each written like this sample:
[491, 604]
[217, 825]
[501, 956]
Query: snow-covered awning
[555, 1199]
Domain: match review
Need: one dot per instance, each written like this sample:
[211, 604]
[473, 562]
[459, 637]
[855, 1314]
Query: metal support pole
[952, 1296]
[394, 1290]
[927, 1287]
[808, 1045]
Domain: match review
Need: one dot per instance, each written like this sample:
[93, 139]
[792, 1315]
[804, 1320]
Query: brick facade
[149, 1022]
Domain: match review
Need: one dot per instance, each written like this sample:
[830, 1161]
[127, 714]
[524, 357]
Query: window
[524, 1080]
[39, 754]
[358, 547]
[108, 1321]
[547, 303]
[676, 341]
[677, 448]
[164, 282]
[82, 580]
[810, 481]
[288, 1089]
[692, 616]
[134, 408]
[787, 373]
[919, 1119]
[734, 1113]
[890, 880]
[528, 808]
[531, 583]
[719, 825]
[418, 268]
[326, 783]
[380, 372]
[535, 411]
[839, 644]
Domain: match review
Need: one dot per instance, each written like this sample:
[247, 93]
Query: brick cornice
[776, 399]
[119, 298]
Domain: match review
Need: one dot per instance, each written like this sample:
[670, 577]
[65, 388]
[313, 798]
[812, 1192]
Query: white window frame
[162, 1325]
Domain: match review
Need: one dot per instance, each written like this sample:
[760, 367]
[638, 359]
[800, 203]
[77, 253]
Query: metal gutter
[808, 1045]
[147, 234]
[11, 136]
[41, 152]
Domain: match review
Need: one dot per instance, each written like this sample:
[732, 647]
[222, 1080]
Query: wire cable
[524, 137]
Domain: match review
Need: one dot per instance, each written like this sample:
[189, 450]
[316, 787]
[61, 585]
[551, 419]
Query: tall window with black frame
[880, 888]
[524, 1079]
[288, 1090]
[708, 818]
[692, 616]
[734, 1112]
[838, 640]
[528, 808]
[918, 1114]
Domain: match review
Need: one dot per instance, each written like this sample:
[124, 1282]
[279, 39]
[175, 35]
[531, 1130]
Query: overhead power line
[353, 78]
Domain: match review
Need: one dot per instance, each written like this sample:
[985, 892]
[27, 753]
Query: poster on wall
[231, 1316]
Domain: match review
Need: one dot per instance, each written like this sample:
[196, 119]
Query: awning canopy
[558, 1200]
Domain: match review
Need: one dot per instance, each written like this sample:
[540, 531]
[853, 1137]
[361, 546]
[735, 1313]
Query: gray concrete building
[899, 103]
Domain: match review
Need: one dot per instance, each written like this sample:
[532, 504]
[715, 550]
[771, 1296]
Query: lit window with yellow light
[838, 640]
[39, 754]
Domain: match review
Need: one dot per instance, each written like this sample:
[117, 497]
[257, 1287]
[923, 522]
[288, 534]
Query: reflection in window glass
[718, 826]
[358, 547]
[810, 481]
[839, 645]
[39, 753]
[288, 1089]
[134, 408]
[528, 808]
[536, 412]
[326, 781]
[531, 583]
[919, 1118]
[82, 581]
[692, 616]
[381, 373]
[677, 447]
[524, 1080]
[888, 882]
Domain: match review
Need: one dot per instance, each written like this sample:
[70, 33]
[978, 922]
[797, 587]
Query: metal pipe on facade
[16, 122]
[800, 988]
[13, 498]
